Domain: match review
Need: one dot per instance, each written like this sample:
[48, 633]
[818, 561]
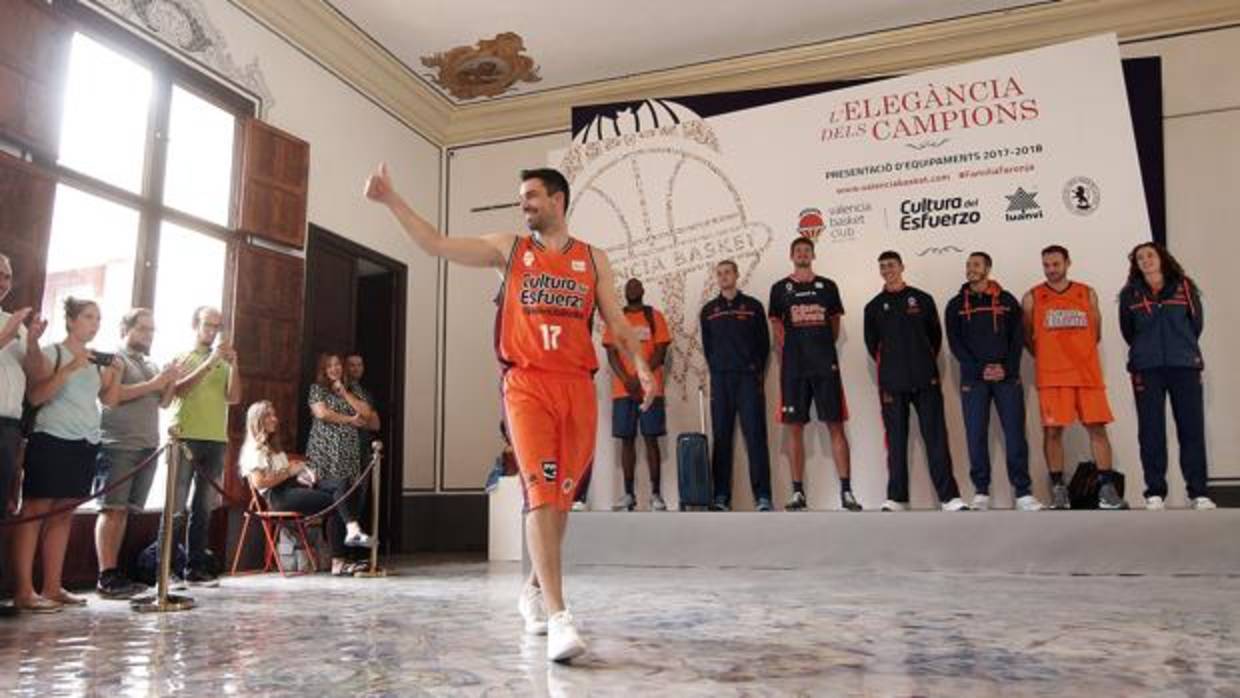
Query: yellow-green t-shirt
[202, 413]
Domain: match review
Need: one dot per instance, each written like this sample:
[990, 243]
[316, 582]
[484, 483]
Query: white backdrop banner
[1005, 155]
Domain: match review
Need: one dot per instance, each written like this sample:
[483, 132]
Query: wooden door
[266, 326]
[275, 175]
[34, 60]
[27, 195]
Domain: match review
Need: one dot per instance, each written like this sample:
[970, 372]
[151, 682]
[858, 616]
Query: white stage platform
[1049, 542]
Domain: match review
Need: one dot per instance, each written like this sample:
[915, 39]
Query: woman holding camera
[66, 389]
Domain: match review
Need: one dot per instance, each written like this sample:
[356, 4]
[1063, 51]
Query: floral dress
[332, 449]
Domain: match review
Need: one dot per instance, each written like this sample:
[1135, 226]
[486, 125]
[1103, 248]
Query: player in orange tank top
[552, 285]
[1062, 331]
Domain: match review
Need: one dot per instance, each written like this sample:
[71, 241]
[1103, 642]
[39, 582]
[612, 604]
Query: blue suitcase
[693, 465]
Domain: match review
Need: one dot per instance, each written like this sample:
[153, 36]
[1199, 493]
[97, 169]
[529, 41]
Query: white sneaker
[956, 504]
[657, 503]
[1029, 503]
[1203, 504]
[563, 641]
[530, 605]
[892, 505]
[580, 506]
[626, 503]
[1155, 503]
[981, 502]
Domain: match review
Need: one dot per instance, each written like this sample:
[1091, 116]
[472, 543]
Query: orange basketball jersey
[1064, 337]
[546, 308]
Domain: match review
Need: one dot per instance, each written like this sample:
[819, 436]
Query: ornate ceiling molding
[320, 31]
[185, 26]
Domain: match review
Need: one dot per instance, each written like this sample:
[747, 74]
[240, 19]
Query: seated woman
[291, 486]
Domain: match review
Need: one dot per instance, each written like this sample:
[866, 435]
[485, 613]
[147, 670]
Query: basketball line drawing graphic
[666, 214]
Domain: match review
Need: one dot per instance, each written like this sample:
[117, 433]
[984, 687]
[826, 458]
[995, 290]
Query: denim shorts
[114, 464]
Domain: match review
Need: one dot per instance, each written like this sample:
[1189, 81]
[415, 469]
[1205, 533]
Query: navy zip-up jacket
[1162, 330]
[903, 334]
[735, 336]
[985, 328]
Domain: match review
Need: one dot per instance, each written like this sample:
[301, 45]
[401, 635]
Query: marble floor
[450, 628]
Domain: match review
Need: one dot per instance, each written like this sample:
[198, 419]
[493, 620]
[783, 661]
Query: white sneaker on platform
[657, 503]
[1029, 503]
[981, 502]
[1155, 503]
[892, 505]
[955, 504]
[1203, 504]
[530, 605]
[580, 506]
[563, 641]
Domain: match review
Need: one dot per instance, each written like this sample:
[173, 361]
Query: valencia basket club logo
[810, 224]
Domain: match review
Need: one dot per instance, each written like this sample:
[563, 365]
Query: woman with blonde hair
[291, 485]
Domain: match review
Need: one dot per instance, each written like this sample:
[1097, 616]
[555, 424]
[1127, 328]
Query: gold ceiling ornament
[489, 68]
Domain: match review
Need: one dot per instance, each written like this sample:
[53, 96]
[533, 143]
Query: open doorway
[355, 303]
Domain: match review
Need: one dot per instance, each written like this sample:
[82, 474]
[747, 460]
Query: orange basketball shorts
[551, 420]
[1065, 405]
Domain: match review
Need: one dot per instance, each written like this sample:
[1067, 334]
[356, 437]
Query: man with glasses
[130, 438]
[200, 411]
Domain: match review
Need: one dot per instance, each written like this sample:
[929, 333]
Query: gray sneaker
[627, 503]
[1108, 498]
[764, 504]
[1059, 497]
[721, 504]
[797, 503]
[849, 501]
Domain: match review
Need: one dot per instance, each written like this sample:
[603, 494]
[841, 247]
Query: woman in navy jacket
[1161, 318]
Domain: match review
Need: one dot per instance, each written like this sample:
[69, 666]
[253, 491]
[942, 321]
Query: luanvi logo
[1021, 206]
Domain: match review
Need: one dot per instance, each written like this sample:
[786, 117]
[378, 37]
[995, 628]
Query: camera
[102, 358]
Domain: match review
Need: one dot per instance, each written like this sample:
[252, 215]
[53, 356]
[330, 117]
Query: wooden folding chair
[272, 522]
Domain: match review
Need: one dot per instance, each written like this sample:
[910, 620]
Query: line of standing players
[987, 330]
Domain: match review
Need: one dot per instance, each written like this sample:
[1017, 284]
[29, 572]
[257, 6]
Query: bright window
[200, 157]
[90, 256]
[103, 131]
[120, 236]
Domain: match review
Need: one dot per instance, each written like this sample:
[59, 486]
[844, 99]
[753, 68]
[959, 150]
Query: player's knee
[1097, 431]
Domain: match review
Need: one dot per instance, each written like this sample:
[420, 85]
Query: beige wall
[1201, 128]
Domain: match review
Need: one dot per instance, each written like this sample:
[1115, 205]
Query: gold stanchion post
[376, 457]
[162, 601]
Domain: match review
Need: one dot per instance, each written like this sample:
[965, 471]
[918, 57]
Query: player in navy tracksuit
[902, 334]
[986, 334]
[1161, 318]
[805, 312]
[737, 345]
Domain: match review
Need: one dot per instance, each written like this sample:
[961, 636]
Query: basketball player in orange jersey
[1062, 330]
[552, 285]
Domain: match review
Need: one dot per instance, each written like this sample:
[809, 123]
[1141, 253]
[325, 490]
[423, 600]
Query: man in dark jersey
[903, 335]
[805, 311]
